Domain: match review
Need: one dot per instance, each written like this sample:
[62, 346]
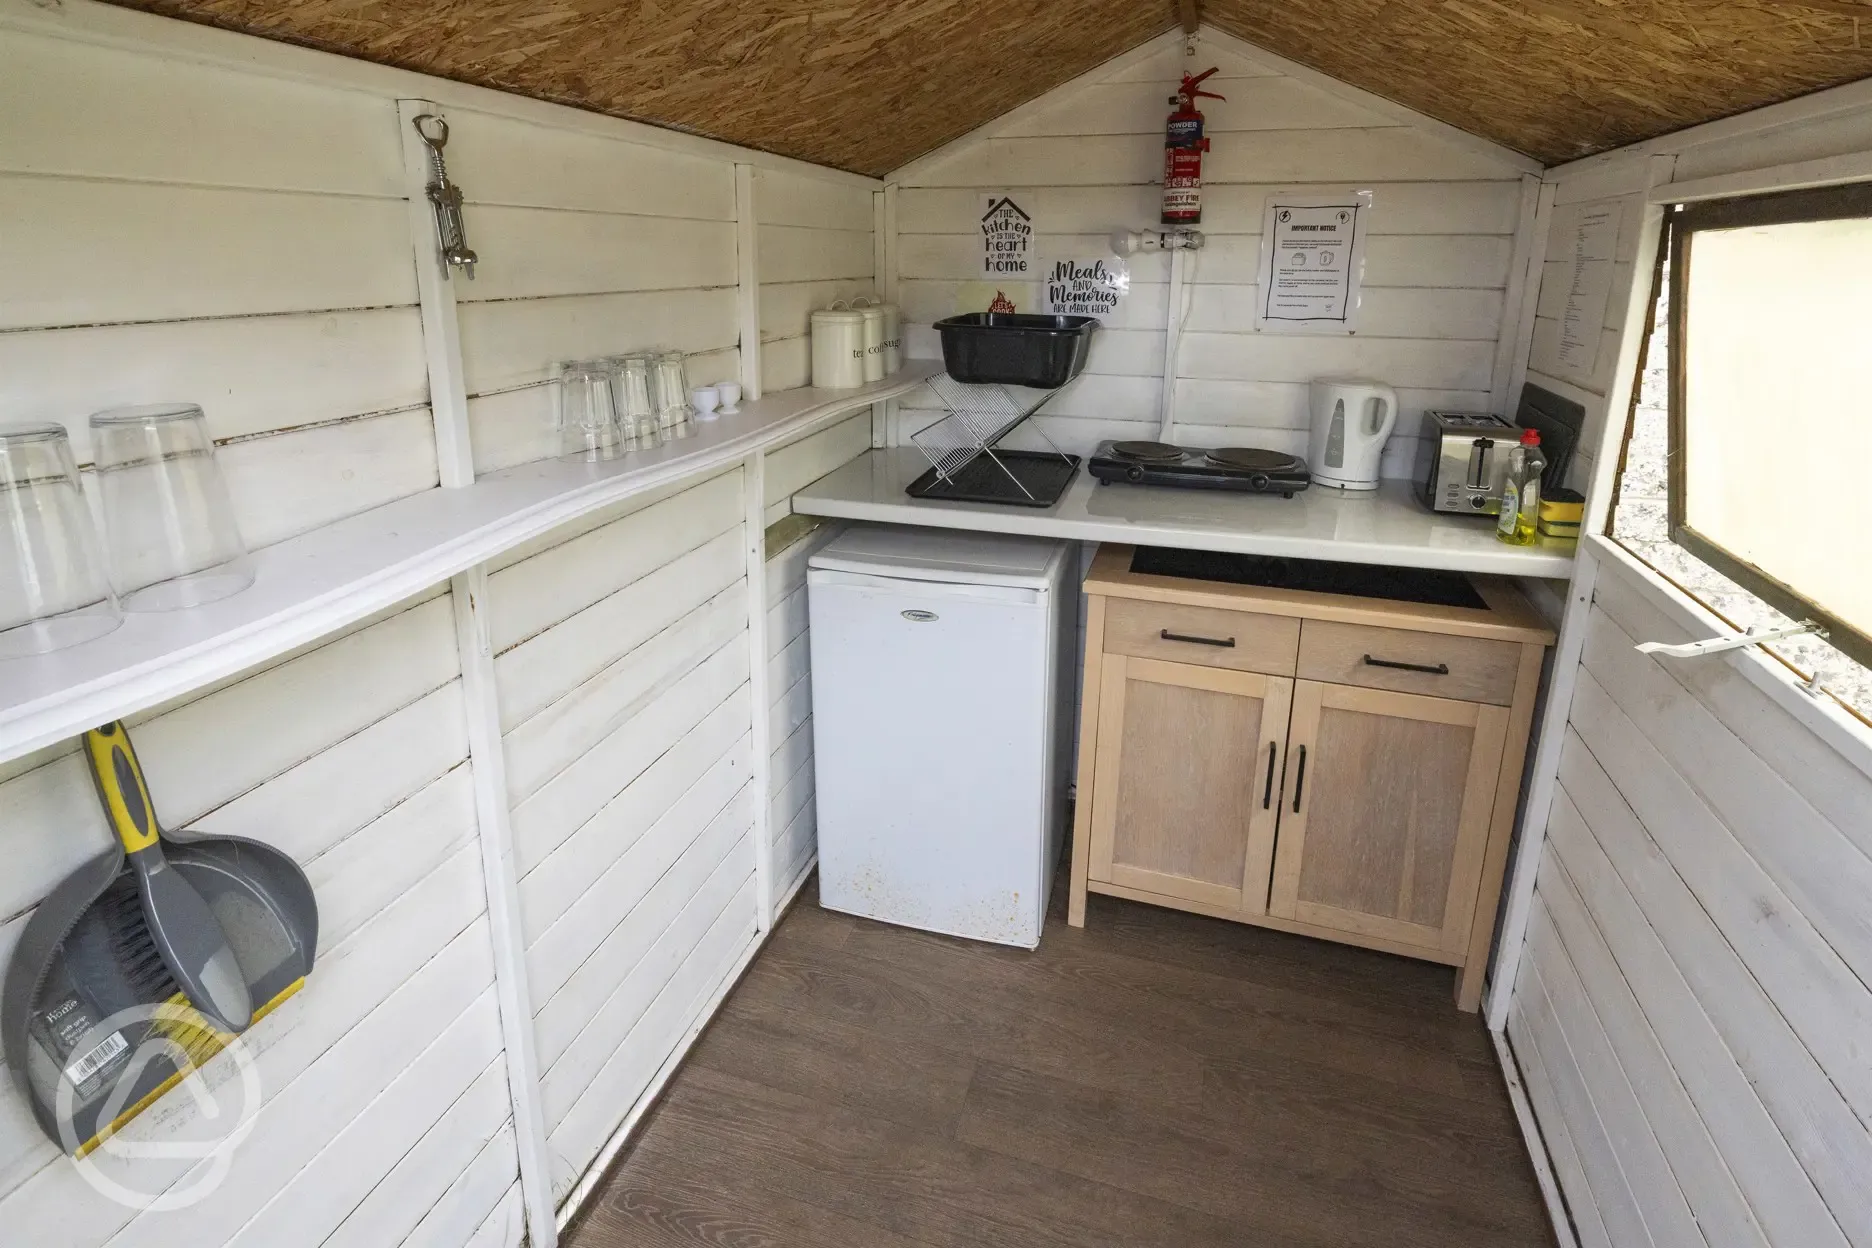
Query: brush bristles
[134, 948]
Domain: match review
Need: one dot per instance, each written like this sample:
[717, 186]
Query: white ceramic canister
[873, 337]
[893, 338]
[890, 342]
[838, 347]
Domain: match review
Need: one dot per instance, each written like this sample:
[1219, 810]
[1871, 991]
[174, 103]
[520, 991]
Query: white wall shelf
[313, 584]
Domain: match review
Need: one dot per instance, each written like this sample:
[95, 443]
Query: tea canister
[838, 348]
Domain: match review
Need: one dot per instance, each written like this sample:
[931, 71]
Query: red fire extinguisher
[1184, 145]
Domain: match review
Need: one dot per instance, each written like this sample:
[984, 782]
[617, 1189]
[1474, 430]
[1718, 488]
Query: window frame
[1683, 224]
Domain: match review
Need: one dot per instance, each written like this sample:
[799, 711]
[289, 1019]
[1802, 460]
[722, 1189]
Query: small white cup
[730, 392]
[705, 400]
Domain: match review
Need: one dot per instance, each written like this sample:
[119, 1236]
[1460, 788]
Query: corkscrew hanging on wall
[445, 197]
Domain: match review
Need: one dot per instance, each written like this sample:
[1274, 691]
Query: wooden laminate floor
[1156, 1079]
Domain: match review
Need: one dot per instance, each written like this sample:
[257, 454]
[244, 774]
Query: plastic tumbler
[55, 589]
[169, 528]
[588, 412]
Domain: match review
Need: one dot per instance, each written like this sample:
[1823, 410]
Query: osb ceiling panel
[869, 85]
[865, 85]
[1560, 79]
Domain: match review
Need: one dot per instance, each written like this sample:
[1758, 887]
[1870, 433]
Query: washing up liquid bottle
[1520, 497]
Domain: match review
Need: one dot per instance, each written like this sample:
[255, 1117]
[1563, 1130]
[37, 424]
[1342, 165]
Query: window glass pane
[1778, 405]
[1640, 524]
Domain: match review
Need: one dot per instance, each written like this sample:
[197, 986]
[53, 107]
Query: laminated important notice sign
[1312, 262]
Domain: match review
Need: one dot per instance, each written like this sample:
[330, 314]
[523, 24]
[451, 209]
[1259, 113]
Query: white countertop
[1388, 526]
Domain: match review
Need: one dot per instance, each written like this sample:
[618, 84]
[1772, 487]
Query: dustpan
[92, 1025]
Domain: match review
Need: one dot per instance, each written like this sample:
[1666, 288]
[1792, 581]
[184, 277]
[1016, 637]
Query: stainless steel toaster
[1460, 460]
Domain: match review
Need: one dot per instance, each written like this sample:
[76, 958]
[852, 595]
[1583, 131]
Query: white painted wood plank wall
[383, 1088]
[1699, 932]
[793, 816]
[815, 246]
[626, 712]
[1087, 158]
[197, 215]
[591, 246]
[1690, 1010]
[229, 239]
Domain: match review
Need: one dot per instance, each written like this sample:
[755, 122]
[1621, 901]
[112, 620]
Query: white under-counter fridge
[942, 677]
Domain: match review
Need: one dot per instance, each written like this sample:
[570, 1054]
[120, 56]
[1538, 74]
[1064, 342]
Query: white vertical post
[884, 241]
[468, 596]
[469, 592]
[747, 279]
[1173, 330]
[1519, 300]
[1544, 775]
[448, 395]
[884, 278]
[754, 528]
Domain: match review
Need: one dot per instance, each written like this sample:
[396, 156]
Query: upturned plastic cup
[671, 392]
[635, 381]
[55, 590]
[588, 411]
[169, 530]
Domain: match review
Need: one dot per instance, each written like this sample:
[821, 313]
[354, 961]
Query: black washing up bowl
[1015, 348]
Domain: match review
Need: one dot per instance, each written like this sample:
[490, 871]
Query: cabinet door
[1385, 813]
[1186, 797]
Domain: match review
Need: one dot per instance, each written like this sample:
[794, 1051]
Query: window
[1747, 472]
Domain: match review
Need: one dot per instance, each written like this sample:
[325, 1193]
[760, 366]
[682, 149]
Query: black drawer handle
[1439, 669]
[1227, 643]
[1267, 793]
[1300, 780]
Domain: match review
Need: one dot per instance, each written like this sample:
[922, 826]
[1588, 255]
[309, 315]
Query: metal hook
[441, 124]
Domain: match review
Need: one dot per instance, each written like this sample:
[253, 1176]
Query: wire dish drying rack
[979, 417]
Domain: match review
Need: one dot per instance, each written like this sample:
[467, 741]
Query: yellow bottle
[1520, 496]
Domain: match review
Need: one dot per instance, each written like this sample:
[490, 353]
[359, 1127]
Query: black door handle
[1227, 643]
[1438, 669]
[1267, 793]
[1299, 779]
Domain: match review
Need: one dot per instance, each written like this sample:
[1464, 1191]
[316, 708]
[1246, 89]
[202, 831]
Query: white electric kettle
[1351, 420]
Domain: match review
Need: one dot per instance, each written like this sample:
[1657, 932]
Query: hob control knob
[1134, 473]
[1259, 481]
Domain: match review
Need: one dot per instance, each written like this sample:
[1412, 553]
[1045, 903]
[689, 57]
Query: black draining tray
[981, 480]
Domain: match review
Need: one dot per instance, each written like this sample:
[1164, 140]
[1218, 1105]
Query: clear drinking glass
[588, 418]
[637, 401]
[672, 391]
[169, 527]
[54, 588]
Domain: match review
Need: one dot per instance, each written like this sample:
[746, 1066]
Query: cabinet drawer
[1477, 670]
[1207, 636]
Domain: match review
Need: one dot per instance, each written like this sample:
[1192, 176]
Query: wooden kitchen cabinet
[1386, 813]
[1185, 804]
[1338, 764]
